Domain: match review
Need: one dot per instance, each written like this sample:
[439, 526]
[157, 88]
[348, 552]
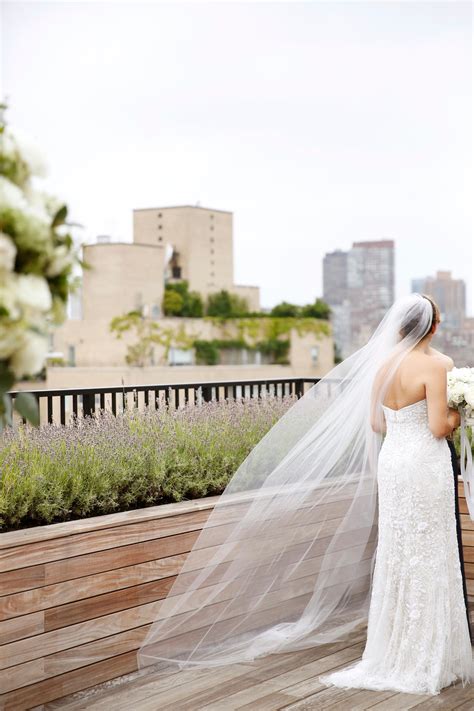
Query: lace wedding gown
[417, 637]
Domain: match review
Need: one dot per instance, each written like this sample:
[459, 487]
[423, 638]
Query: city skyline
[311, 143]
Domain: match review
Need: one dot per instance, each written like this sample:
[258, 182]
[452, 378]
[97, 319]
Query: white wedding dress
[417, 637]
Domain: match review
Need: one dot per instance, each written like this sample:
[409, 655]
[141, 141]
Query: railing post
[299, 388]
[88, 403]
[206, 393]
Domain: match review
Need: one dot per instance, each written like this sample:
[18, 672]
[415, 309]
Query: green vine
[267, 335]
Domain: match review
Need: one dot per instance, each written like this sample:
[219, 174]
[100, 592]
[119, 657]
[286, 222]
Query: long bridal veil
[285, 559]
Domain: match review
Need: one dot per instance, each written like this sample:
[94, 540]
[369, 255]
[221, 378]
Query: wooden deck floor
[283, 681]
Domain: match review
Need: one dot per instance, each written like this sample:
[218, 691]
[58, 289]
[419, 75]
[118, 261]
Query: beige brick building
[171, 243]
[198, 246]
[123, 277]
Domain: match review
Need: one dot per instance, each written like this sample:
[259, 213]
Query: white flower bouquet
[461, 397]
[461, 392]
[37, 256]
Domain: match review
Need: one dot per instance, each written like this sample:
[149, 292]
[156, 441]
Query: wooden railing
[62, 406]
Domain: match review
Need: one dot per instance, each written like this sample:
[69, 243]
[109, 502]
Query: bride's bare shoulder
[446, 361]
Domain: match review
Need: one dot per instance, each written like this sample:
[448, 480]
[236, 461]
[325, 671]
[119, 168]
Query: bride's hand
[454, 418]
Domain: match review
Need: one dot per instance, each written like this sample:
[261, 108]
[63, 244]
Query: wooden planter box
[78, 598]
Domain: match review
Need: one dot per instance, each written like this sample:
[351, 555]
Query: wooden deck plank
[192, 690]
[258, 682]
[54, 688]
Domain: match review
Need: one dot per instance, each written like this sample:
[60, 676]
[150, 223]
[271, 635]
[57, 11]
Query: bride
[342, 516]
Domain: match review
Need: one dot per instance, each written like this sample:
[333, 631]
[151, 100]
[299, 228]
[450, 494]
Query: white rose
[11, 338]
[29, 358]
[469, 396]
[60, 261]
[33, 292]
[7, 253]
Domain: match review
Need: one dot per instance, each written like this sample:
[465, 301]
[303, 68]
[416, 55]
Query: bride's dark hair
[412, 319]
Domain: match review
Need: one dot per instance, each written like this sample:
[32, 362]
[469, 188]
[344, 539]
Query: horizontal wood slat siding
[77, 599]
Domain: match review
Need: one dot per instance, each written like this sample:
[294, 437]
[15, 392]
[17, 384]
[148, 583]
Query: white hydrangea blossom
[32, 292]
[29, 358]
[61, 259]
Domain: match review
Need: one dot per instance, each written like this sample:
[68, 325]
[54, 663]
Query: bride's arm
[377, 418]
[442, 420]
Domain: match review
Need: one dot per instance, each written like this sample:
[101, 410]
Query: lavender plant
[106, 464]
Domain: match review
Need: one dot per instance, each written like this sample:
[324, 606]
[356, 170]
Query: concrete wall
[100, 356]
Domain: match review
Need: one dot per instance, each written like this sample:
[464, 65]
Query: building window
[138, 301]
[211, 216]
[180, 356]
[160, 238]
[212, 227]
[212, 274]
[155, 311]
[71, 355]
[212, 239]
[160, 215]
[212, 251]
[314, 355]
[160, 227]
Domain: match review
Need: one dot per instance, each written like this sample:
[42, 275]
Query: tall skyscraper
[359, 285]
[449, 294]
[371, 286]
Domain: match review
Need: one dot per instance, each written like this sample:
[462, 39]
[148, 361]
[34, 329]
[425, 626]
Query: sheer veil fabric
[285, 559]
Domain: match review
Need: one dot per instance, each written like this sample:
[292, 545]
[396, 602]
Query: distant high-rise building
[371, 286]
[359, 285]
[449, 294]
[455, 336]
[335, 277]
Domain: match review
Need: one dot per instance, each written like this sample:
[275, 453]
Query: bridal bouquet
[461, 397]
[461, 392]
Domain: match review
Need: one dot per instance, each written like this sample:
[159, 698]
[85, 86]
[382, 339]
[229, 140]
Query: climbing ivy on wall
[269, 335]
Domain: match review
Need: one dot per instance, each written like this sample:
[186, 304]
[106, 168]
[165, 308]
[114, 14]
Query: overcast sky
[315, 123]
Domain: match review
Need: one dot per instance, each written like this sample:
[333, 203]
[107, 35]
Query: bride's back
[408, 384]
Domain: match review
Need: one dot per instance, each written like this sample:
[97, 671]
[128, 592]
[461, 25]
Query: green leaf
[60, 217]
[27, 405]
[7, 378]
